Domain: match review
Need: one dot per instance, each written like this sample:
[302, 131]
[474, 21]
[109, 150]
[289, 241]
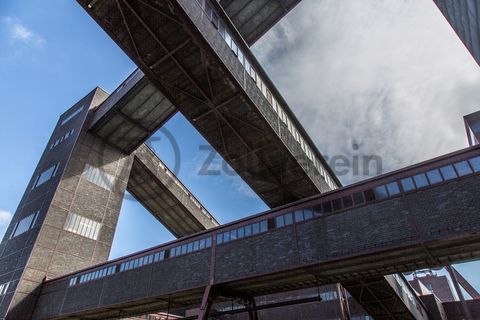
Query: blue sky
[409, 78]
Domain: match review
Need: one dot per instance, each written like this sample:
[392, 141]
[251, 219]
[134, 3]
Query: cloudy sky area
[390, 76]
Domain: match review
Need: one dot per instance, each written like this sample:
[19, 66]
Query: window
[62, 138]
[407, 184]
[158, 256]
[263, 226]
[226, 236]
[102, 272]
[72, 282]
[24, 224]
[4, 288]
[241, 57]
[393, 188]
[380, 192]
[327, 207]
[228, 38]
[219, 238]
[255, 228]
[215, 19]
[253, 74]
[358, 198]
[98, 177]
[82, 226]
[72, 115]
[279, 222]
[307, 213]
[298, 216]
[328, 296]
[221, 29]
[475, 162]
[248, 231]
[288, 219]
[420, 180]
[247, 65]
[448, 172]
[46, 175]
[317, 210]
[233, 234]
[337, 204]
[347, 201]
[369, 195]
[241, 232]
[434, 176]
[208, 10]
[463, 168]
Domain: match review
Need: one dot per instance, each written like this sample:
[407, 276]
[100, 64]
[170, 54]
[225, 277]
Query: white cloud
[391, 76]
[5, 218]
[19, 33]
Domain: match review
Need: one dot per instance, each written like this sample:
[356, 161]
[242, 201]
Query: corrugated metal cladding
[82, 226]
[98, 177]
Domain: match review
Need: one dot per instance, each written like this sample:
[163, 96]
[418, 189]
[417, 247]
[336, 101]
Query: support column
[252, 309]
[453, 276]
[207, 302]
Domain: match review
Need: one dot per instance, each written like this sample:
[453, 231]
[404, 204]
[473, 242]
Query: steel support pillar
[466, 310]
[207, 302]
[252, 309]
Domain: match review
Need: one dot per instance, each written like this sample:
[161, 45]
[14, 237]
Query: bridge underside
[380, 297]
[253, 18]
[185, 57]
[157, 189]
[131, 114]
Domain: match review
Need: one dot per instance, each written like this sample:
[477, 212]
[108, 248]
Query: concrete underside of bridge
[131, 114]
[185, 57]
[430, 228]
[156, 188]
[379, 296]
